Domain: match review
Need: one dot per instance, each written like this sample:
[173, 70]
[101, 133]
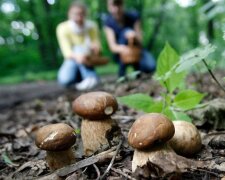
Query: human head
[77, 12]
[115, 7]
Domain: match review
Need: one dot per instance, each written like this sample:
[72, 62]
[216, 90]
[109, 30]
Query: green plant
[171, 73]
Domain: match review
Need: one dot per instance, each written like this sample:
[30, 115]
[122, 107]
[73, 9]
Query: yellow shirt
[68, 38]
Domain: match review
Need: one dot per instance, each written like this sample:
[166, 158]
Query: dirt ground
[25, 108]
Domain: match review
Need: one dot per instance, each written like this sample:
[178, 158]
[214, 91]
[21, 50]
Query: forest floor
[26, 107]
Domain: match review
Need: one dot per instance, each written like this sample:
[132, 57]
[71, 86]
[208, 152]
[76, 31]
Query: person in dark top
[120, 25]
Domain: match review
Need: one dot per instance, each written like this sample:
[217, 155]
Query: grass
[49, 75]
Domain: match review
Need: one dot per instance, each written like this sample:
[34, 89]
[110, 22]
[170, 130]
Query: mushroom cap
[55, 137]
[95, 105]
[186, 140]
[150, 129]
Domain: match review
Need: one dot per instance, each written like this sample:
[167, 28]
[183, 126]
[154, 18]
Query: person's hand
[95, 48]
[123, 49]
[80, 58]
[130, 34]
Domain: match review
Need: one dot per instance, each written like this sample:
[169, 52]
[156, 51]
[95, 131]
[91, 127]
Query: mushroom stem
[164, 157]
[99, 134]
[59, 159]
[142, 157]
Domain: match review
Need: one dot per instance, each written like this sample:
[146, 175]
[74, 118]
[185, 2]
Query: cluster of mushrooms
[150, 134]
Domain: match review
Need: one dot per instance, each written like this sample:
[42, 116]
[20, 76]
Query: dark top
[130, 18]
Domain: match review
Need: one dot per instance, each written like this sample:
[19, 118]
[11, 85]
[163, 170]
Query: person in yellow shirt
[77, 38]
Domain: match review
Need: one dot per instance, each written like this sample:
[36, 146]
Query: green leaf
[187, 99]
[169, 113]
[77, 131]
[167, 60]
[8, 161]
[175, 115]
[193, 57]
[181, 116]
[129, 77]
[156, 107]
[137, 101]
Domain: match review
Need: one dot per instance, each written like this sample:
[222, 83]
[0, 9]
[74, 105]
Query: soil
[25, 108]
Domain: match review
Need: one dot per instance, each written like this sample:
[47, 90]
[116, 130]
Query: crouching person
[123, 33]
[77, 37]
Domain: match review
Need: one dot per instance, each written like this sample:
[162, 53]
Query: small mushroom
[98, 130]
[57, 140]
[148, 136]
[186, 140]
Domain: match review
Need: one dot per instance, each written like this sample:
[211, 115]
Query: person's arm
[66, 47]
[111, 39]
[95, 41]
[138, 31]
[64, 43]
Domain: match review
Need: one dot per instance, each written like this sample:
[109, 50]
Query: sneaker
[87, 84]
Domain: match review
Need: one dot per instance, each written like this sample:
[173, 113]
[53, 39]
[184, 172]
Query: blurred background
[29, 50]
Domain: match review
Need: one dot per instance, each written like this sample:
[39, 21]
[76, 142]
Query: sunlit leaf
[167, 60]
[187, 99]
[175, 115]
[137, 101]
[156, 107]
[193, 57]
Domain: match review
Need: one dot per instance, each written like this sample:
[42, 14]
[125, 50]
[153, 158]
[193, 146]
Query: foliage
[193, 57]
[176, 100]
[167, 59]
[28, 41]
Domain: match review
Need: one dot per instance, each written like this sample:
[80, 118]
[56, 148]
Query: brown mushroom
[186, 140]
[148, 135]
[98, 130]
[57, 140]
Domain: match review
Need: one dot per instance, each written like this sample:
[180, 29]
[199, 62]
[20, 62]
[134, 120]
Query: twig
[213, 76]
[112, 160]
[203, 170]
[215, 133]
[97, 171]
[123, 118]
[81, 164]
[101, 157]
[122, 173]
[209, 158]
[164, 100]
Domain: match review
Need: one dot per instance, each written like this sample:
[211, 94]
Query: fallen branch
[81, 164]
[99, 158]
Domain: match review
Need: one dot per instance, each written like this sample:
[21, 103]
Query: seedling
[171, 73]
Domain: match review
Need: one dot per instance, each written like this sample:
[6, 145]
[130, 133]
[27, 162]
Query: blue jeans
[71, 72]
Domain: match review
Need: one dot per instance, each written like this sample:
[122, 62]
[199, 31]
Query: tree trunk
[157, 26]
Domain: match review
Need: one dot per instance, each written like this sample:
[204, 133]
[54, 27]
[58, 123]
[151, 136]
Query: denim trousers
[72, 72]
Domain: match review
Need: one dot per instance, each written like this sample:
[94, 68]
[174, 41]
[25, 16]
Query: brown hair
[78, 4]
[117, 2]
